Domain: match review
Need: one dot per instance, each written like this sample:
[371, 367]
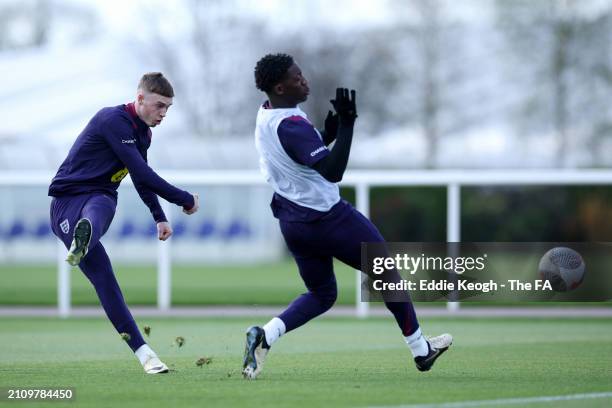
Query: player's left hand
[331, 124]
[195, 207]
[164, 230]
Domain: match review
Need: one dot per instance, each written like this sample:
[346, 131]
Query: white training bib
[296, 182]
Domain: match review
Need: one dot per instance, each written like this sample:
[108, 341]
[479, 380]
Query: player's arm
[333, 165]
[301, 141]
[330, 129]
[151, 201]
[164, 230]
[118, 134]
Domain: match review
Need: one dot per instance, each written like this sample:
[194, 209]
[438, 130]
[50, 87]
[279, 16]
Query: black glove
[331, 125]
[345, 107]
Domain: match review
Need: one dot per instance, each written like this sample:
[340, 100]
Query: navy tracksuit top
[115, 142]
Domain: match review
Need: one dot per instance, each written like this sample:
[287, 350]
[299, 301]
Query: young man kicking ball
[316, 223]
[84, 190]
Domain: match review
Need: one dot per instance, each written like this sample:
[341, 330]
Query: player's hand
[164, 230]
[345, 106]
[196, 205]
[331, 124]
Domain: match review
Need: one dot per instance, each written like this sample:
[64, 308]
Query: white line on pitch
[507, 401]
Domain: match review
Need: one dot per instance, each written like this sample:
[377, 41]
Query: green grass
[329, 362]
[275, 284]
[272, 284]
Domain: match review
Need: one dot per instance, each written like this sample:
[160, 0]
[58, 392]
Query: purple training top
[115, 142]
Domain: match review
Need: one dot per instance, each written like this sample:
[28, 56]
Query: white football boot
[437, 345]
[154, 366]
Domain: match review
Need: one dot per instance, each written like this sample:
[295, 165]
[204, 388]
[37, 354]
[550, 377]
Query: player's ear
[279, 89]
[140, 97]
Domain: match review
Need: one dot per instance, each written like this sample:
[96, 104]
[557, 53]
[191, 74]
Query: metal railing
[361, 180]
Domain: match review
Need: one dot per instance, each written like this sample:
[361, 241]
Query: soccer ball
[563, 268]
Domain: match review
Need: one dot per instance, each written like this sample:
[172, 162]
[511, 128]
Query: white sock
[274, 329]
[417, 343]
[144, 352]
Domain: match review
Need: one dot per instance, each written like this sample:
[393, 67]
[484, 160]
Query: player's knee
[327, 295]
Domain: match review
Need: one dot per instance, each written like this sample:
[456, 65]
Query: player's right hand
[164, 230]
[196, 205]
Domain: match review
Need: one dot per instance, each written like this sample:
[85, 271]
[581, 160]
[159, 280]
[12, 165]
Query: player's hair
[270, 70]
[156, 82]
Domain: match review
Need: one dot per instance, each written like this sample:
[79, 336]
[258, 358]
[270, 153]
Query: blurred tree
[443, 69]
[429, 39]
[36, 23]
[41, 17]
[210, 57]
[415, 214]
[561, 51]
[213, 70]
[533, 214]
[319, 63]
[24, 24]
[425, 69]
[366, 60]
[377, 68]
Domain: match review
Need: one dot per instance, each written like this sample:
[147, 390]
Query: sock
[274, 329]
[417, 343]
[143, 353]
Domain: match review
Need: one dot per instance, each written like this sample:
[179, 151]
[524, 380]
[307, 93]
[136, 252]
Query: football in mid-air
[563, 268]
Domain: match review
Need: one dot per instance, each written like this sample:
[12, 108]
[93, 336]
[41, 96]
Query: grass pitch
[329, 362]
[276, 284]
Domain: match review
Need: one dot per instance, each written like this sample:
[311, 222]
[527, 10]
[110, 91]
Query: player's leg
[95, 218]
[347, 237]
[98, 269]
[318, 276]
[65, 214]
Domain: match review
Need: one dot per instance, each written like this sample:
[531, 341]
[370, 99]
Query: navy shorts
[66, 211]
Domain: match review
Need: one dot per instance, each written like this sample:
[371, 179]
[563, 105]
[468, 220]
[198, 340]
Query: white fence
[362, 181]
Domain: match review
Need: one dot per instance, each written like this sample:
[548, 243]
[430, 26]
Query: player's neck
[137, 110]
[278, 103]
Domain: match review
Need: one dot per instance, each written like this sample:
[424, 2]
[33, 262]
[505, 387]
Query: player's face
[152, 107]
[294, 87]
